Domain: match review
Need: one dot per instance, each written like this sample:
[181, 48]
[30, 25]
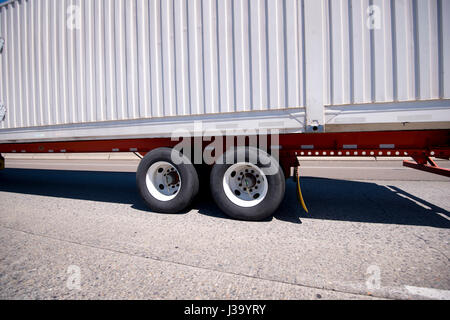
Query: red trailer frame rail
[419, 144]
[382, 143]
[88, 146]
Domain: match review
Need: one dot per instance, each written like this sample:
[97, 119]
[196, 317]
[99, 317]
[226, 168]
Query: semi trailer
[244, 87]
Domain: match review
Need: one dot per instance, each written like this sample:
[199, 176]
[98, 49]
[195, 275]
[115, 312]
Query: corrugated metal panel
[403, 56]
[133, 59]
[149, 59]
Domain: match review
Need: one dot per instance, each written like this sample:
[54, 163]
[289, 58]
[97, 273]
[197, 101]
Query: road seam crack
[158, 259]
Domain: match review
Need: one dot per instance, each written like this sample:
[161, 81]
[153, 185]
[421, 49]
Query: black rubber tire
[189, 187]
[262, 211]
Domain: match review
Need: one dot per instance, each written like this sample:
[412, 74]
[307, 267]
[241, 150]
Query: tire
[260, 203]
[164, 186]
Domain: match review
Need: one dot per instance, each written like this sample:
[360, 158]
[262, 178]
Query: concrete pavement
[377, 231]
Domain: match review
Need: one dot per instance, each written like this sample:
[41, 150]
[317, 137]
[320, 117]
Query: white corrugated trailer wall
[134, 59]
[169, 62]
[403, 56]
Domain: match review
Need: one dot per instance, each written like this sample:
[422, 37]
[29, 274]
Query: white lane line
[443, 215]
[361, 168]
[429, 293]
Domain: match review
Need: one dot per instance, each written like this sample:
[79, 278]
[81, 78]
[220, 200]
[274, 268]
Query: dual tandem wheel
[246, 183]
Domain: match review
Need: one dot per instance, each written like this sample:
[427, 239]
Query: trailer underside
[247, 175]
[419, 145]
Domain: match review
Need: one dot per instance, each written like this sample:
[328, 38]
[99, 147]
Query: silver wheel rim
[245, 185]
[163, 181]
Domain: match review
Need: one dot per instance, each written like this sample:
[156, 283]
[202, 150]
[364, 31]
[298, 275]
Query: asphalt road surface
[76, 229]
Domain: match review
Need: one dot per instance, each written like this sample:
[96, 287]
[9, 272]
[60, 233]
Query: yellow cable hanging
[300, 195]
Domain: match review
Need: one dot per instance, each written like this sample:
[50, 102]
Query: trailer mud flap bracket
[427, 164]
